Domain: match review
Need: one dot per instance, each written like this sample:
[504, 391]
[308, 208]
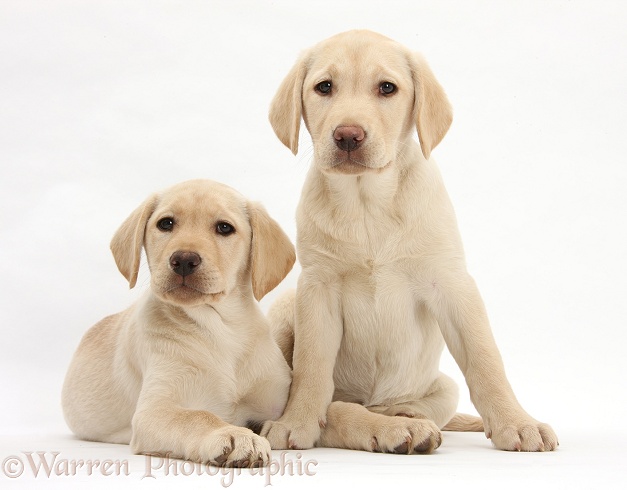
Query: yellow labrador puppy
[193, 361]
[384, 283]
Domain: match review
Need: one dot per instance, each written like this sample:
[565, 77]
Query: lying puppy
[193, 361]
[384, 282]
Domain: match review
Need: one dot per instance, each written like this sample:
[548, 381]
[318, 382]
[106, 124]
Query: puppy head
[360, 95]
[203, 240]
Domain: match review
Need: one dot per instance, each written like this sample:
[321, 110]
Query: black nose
[349, 138]
[184, 263]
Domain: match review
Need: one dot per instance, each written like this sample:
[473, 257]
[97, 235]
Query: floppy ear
[127, 242]
[432, 109]
[286, 106]
[272, 252]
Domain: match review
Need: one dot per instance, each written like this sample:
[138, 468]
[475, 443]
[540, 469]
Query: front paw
[522, 434]
[286, 434]
[401, 435]
[238, 447]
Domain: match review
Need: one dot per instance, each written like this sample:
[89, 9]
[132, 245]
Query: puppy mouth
[350, 166]
[184, 291]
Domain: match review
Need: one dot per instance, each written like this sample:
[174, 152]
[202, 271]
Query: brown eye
[324, 88]
[387, 88]
[165, 224]
[224, 228]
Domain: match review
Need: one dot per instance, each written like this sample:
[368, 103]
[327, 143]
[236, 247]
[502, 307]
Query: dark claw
[222, 459]
[401, 448]
[224, 456]
[375, 445]
[424, 446]
[242, 463]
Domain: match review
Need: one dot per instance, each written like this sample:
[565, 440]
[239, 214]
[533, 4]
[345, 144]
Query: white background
[104, 102]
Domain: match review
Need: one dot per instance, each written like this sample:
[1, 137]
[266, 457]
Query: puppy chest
[391, 344]
[253, 387]
[214, 390]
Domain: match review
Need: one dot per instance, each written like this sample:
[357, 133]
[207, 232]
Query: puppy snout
[184, 263]
[349, 138]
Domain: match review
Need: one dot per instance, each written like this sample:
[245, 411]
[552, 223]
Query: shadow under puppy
[186, 367]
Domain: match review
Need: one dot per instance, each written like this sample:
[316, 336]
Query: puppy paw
[524, 434]
[238, 447]
[284, 434]
[400, 435]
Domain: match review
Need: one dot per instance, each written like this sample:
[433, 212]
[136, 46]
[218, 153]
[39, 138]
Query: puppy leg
[352, 426]
[161, 425]
[466, 329]
[281, 319]
[198, 436]
[438, 405]
[317, 334]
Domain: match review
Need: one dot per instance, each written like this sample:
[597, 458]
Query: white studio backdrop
[104, 102]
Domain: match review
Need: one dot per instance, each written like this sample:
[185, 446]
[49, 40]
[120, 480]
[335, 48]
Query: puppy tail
[462, 422]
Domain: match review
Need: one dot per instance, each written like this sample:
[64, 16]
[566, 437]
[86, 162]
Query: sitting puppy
[384, 283]
[193, 361]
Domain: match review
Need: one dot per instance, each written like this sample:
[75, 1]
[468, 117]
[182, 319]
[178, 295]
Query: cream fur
[186, 368]
[384, 284]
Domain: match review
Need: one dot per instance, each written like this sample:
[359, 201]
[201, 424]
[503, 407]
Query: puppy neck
[373, 191]
[238, 309]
